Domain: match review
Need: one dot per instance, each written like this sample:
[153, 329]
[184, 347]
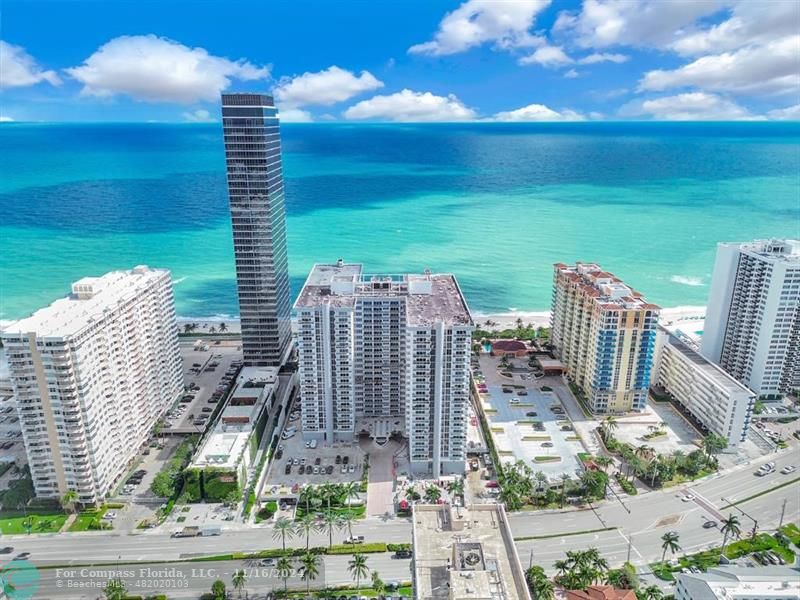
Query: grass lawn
[368, 592]
[792, 531]
[541, 459]
[535, 438]
[85, 518]
[39, 523]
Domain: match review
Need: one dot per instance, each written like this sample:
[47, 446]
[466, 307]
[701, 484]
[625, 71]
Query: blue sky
[415, 60]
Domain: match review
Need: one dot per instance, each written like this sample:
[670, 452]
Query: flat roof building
[739, 583]
[719, 402]
[752, 326]
[604, 332]
[465, 554]
[386, 347]
[91, 374]
[254, 168]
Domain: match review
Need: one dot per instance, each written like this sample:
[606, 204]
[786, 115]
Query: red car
[492, 484]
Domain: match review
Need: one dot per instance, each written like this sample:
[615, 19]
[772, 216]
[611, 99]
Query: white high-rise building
[719, 402]
[386, 354]
[91, 374]
[752, 327]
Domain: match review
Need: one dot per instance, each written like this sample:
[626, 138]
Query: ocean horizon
[494, 203]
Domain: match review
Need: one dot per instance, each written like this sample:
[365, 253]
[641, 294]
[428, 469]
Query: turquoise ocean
[496, 204]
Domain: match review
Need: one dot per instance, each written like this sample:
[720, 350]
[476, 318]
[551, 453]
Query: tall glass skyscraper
[255, 190]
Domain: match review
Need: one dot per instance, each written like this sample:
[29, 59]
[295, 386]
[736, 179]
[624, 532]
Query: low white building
[228, 451]
[711, 395]
[91, 374]
[739, 583]
[389, 349]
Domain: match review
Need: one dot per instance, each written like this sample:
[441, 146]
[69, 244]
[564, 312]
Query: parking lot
[207, 370]
[528, 423]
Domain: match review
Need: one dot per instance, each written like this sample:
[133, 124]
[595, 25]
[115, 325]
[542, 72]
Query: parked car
[351, 469]
[402, 554]
[329, 469]
[788, 469]
[514, 400]
[338, 460]
[6, 550]
[317, 461]
[547, 444]
[345, 460]
[523, 392]
[356, 539]
[531, 413]
[288, 469]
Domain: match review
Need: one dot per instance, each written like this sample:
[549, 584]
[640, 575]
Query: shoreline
[503, 320]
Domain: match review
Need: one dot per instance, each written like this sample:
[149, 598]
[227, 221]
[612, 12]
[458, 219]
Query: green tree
[540, 586]
[218, 590]
[239, 579]
[358, 568]
[330, 522]
[412, 494]
[714, 444]
[456, 487]
[378, 584]
[68, 500]
[283, 528]
[222, 327]
[115, 589]
[603, 461]
[284, 568]
[432, 494]
[669, 541]
[305, 525]
[309, 569]
[564, 480]
[730, 528]
[651, 592]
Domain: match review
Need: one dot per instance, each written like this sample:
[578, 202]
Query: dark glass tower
[255, 190]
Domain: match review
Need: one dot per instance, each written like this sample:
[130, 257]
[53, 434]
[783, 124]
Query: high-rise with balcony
[383, 355]
[255, 191]
[91, 375]
[752, 327]
[605, 333]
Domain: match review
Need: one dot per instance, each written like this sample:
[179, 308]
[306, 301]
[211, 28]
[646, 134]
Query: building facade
[719, 402]
[383, 355]
[91, 374]
[604, 332]
[739, 583]
[255, 191]
[752, 327]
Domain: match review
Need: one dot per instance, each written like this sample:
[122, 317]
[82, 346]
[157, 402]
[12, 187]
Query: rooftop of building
[91, 300]
[778, 250]
[228, 440]
[465, 553]
[509, 345]
[730, 582]
[429, 297]
[246, 99]
[606, 289]
[601, 592]
[712, 371]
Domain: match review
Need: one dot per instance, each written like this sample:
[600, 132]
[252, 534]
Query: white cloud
[155, 69]
[750, 23]
[538, 112]
[693, 106]
[294, 115]
[770, 69]
[506, 23]
[411, 106]
[547, 56]
[604, 23]
[571, 74]
[198, 116]
[599, 57]
[6, 119]
[790, 113]
[324, 87]
[20, 69]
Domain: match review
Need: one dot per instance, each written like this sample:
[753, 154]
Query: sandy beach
[507, 320]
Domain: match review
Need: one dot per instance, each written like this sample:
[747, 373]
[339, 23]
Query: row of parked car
[768, 468]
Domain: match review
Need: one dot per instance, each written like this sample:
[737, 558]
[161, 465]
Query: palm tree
[608, 426]
[519, 322]
[218, 590]
[350, 489]
[222, 327]
[456, 487]
[187, 328]
[603, 461]
[358, 568]
[283, 528]
[730, 527]
[305, 525]
[212, 329]
[309, 569]
[284, 568]
[378, 584]
[239, 579]
[68, 500]
[432, 494]
[643, 451]
[541, 587]
[669, 541]
[564, 480]
[346, 521]
[652, 592]
[114, 589]
[412, 494]
[330, 521]
[561, 566]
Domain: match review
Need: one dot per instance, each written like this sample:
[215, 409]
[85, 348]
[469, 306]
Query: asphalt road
[650, 516]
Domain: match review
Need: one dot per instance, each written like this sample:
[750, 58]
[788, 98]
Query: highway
[642, 522]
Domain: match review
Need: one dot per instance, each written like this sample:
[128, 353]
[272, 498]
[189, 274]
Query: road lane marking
[629, 542]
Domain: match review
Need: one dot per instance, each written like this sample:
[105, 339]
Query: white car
[788, 469]
[514, 400]
[687, 498]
